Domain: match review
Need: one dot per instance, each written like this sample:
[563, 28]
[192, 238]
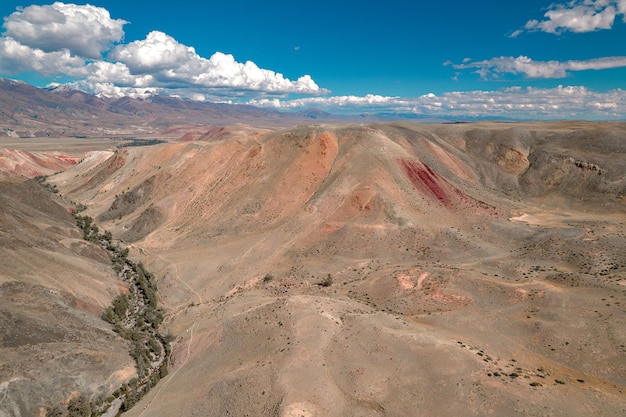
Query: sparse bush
[120, 306]
[79, 407]
[80, 208]
[109, 316]
[42, 180]
[135, 317]
[327, 282]
[55, 411]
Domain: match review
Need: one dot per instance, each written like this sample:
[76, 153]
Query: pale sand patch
[405, 281]
[121, 375]
[449, 298]
[524, 218]
[299, 409]
[421, 279]
[247, 285]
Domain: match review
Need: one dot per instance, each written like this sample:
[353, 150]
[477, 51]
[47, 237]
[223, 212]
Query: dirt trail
[177, 277]
[154, 394]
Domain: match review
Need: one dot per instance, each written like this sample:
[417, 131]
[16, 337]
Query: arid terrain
[390, 269]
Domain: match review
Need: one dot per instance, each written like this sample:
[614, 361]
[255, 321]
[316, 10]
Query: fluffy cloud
[117, 73]
[157, 52]
[170, 62]
[15, 58]
[85, 31]
[514, 103]
[495, 67]
[68, 39]
[578, 16]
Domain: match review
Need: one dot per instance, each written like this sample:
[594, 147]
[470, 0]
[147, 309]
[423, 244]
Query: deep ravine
[136, 317]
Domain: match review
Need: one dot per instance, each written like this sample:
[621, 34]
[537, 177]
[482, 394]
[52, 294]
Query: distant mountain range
[27, 111]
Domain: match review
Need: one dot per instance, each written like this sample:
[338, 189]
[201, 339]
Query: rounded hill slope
[385, 269]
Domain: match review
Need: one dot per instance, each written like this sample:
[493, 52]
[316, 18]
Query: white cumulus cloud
[577, 16]
[513, 103]
[155, 53]
[83, 42]
[171, 62]
[85, 31]
[15, 58]
[496, 67]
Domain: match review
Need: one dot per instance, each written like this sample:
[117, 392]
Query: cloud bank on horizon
[514, 103]
[85, 45]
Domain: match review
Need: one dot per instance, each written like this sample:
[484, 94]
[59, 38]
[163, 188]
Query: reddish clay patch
[214, 133]
[429, 182]
[71, 160]
[187, 137]
[31, 164]
[425, 179]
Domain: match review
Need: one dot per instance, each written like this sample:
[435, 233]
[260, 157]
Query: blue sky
[522, 60]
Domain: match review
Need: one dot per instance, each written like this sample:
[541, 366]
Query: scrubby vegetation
[135, 316]
[141, 142]
[41, 179]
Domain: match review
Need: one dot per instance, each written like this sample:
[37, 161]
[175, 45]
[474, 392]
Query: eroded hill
[389, 269]
[53, 288]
